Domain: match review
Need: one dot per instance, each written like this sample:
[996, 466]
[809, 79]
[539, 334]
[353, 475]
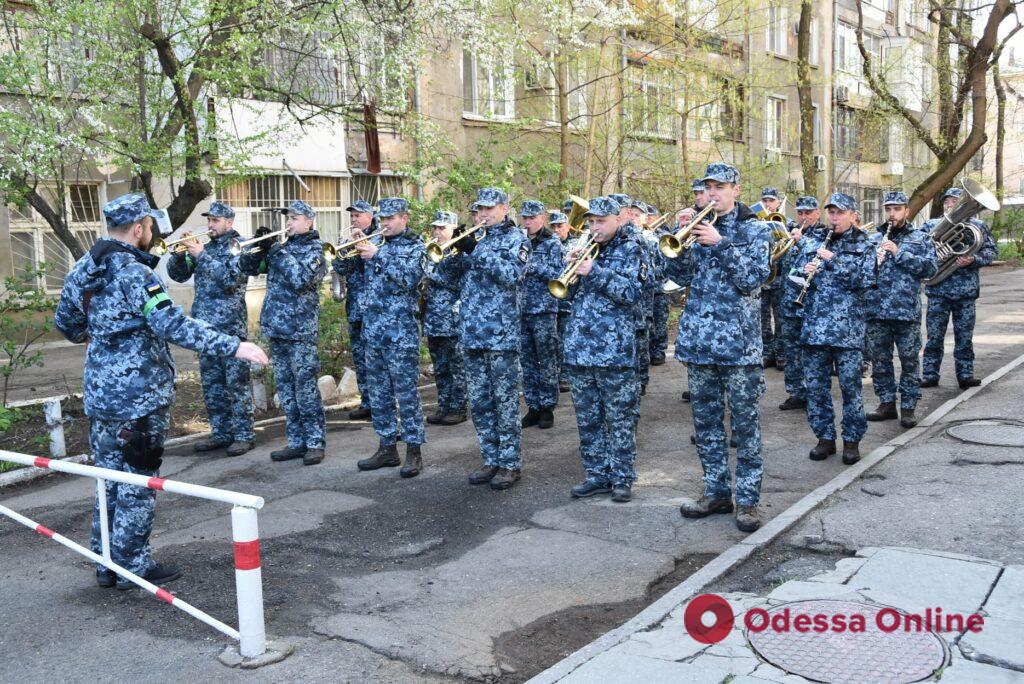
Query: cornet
[161, 247]
[347, 250]
[237, 247]
[559, 287]
[436, 252]
[683, 239]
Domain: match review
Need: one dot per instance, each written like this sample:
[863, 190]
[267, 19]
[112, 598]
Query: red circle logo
[693, 618]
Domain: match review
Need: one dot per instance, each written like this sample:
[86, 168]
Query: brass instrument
[237, 247]
[683, 239]
[161, 247]
[436, 252]
[658, 222]
[771, 216]
[799, 301]
[954, 236]
[347, 250]
[559, 287]
[577, 216]
[779, 250]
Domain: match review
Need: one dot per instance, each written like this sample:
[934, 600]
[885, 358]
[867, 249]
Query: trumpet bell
[435, 252]
[670, 246]
[559, 288]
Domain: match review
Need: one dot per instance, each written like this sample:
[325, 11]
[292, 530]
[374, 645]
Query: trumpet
[559, 287]
[237, 247]
[347, 250]
[658, 223]
[683, 239]
[438, 251]
[161, 247]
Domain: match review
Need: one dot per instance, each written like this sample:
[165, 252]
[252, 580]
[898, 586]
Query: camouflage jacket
[443, 283]
[644, 305]
[897, 292]
[392, 294]
[545, 264]
[219, 285]
[790, 278]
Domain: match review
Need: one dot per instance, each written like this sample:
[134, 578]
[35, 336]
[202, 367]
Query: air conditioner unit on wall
[819, 162]
[841, 93]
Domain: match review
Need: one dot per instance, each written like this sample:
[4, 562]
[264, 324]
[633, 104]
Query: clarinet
[799, 301]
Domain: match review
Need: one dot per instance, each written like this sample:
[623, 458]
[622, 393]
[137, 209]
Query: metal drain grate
[989, 432]
[831, 656]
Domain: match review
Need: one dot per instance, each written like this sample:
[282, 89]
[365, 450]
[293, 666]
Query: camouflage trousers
[563, 320]
[906, 337]
[449, 373]
[296, 370]
[793, 353]
[818, 364]
[228, 397]
[538, 345]
[355, 343]
[743, 386]
[771, 323]
[643, 359]
[493, 379]
[605, 400]
[659, 326]
[940, 309]
[130, 509]
[392, 374]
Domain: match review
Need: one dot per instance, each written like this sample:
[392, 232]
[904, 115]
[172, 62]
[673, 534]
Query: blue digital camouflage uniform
[833, 330]
[441, 328]
[113, 300]
[792, 315]
[771, 302]
[220, 301]
[599, 354]
[659, 322]
[894, 314]
[390, 308]
[564, 305]
[719, 340]
[489, 336]
[539, 322]
[643, 306]
[352, 270]
[955, 297]
[290, 319]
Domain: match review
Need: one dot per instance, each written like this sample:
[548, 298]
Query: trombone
[683, 239]
[237, 247]
[347, 250]
[438, 251]
[559, 287]
[161, 247]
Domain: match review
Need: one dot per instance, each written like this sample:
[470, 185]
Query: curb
[741, 551]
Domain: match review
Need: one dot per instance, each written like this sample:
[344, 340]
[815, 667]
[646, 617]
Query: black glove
[467, 243]
[263, 245]
[142, 451]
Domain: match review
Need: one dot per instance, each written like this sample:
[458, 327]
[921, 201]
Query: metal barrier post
[248, 582]
[101, 501]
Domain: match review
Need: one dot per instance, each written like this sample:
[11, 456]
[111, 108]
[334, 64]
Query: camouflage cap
[604, 206]
[841, 201]
[771, 193]
[953, 192]
[474, 207]
[532, 208]
[362, 206]
[557, 217]
[638, 204]
[722, 173]
[219, 210]
[622, 199]
[651, 210]
[128, 209]
[806, 203]
[895, 197]
[567, 206]
[299, 207]
[697, 185]
[491, 197]
[445, 218]
[389, 206]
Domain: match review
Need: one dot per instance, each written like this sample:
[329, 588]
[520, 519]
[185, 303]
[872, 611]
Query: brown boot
[705, 506]
[907, 418]
[851, 452]
[384, 457]
[824, 449]
[505, 478]
[746, 518]
[413, 461]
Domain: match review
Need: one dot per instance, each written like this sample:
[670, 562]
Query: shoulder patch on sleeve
[643, 271]
[315, 262]
[158, 299]
[524, 252]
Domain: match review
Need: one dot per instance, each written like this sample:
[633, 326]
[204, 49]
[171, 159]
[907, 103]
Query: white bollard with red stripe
[248, 582]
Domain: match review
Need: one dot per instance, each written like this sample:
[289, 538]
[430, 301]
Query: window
[871, 205]
[254, 198]
[776, 34]
[845, 133]
[487, 90]
[774, 123]
[730, 111]
[370, 188]
[847, 56]
[814, 55]
[85, 203]
[369, 74]
[700, 122]
[650, 102]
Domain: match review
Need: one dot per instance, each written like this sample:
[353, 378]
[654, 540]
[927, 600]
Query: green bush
[335, 353]
[21, 302]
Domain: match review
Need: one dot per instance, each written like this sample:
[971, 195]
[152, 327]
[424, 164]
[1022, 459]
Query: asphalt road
[380, 579]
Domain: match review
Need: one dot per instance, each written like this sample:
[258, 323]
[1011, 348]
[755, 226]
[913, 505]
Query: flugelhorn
[237, 247]
[559, 287]
[438, 251]
[683, 239]
[161, 247]
[347, 250]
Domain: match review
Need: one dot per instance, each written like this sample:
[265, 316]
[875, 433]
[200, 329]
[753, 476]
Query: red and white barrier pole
[248, 582]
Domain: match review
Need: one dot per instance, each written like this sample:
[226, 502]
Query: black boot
[453, 418]
[969, 382]
[705, 506]
[483, 475]
[312, 456]
[769, 363]
[413, 461]
[384, 457]
[686, 397]
[589, 488]
[546, 419]
[437, 418]
[621, 493]
[907, 418]
[240, 447]
[746, 518]
[658, 360]
[930, 382]
[824, 449]
[211, 444]
[793, 403]
[361, 413]
[851, 452]
[531, 418]
[287, 454]
[885, 411]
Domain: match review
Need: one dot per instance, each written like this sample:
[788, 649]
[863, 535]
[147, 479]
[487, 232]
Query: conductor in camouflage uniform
[220, 301]
[114, 301]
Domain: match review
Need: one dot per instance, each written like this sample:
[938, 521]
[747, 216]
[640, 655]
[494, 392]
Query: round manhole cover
[850, 655]
[989, 432]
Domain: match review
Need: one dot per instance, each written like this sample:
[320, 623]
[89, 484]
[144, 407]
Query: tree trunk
[803, 79]
[562, 85]
[1000, 140]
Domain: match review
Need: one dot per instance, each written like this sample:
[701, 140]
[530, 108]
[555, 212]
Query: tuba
[577, 216]
[954, 236]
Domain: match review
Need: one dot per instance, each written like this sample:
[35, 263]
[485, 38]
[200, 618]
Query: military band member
[905, 257]
[114, 301]
[719, 341]
[220, 301]
[559, 223]
[489, 336]
[290, 318]
[955, 297]
[363, 222]
[441, 326]
[659, 316]
[599, 351]
[393, 272]
[539, 319]
[700, 201]
[833, 327]
[631, 212]
[771, 313]
[807, 226]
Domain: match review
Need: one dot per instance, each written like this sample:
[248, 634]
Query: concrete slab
[963, 671]
[799, 590]
[1007, 598]
[631, 669]
[998, 643]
